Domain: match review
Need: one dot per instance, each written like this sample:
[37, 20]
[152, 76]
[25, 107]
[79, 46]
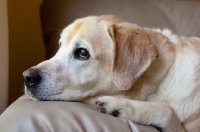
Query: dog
[149, 76]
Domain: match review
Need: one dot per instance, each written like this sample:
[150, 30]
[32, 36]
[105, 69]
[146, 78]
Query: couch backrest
[183, 17]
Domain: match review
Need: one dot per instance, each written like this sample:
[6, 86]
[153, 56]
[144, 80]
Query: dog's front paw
[110, 105]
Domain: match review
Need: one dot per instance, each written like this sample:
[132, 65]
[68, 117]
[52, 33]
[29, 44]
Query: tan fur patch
[111, 18]
[74, 31]
[133, 54]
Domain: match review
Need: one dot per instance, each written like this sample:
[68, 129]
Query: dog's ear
[133, 53]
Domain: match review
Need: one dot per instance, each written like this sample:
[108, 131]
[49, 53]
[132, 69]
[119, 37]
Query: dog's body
[148, 76]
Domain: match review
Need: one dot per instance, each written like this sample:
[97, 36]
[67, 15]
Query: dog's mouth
[43, 95]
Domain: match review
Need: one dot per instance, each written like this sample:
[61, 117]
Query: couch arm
[26, 115]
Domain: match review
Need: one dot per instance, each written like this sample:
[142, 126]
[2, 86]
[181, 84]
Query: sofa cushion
[27, 115]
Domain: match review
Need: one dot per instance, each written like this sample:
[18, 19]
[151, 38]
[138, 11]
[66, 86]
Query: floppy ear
[133, 53]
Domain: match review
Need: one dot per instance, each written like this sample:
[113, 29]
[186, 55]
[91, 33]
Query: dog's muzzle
[31, 77]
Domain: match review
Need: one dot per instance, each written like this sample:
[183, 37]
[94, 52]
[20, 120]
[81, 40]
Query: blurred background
[21, 19]
[25, 42]
[29, 29]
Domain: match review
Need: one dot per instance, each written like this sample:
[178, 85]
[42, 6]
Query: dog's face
[90, 61]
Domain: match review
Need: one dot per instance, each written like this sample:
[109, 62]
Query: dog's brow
[74, 31]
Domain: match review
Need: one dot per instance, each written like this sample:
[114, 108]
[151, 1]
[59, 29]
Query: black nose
[31, 77]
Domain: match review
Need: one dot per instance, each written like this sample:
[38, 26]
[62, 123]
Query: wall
[25, 42]
[3, 55]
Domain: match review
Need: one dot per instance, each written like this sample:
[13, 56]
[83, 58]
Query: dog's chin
[36, 93]
[48, 98]
[41, 96]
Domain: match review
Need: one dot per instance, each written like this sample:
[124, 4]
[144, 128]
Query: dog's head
[97, 56]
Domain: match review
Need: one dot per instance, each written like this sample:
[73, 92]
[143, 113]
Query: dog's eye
[81, 54]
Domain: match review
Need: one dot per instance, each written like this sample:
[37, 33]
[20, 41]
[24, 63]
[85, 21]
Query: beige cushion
[26, 115]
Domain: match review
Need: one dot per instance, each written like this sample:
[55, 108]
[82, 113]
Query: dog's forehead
[84, 27]
[91, 33]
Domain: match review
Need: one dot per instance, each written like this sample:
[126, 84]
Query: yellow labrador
[151, 77]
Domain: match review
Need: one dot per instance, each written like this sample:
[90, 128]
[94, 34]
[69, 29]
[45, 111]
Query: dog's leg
[157, 114]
